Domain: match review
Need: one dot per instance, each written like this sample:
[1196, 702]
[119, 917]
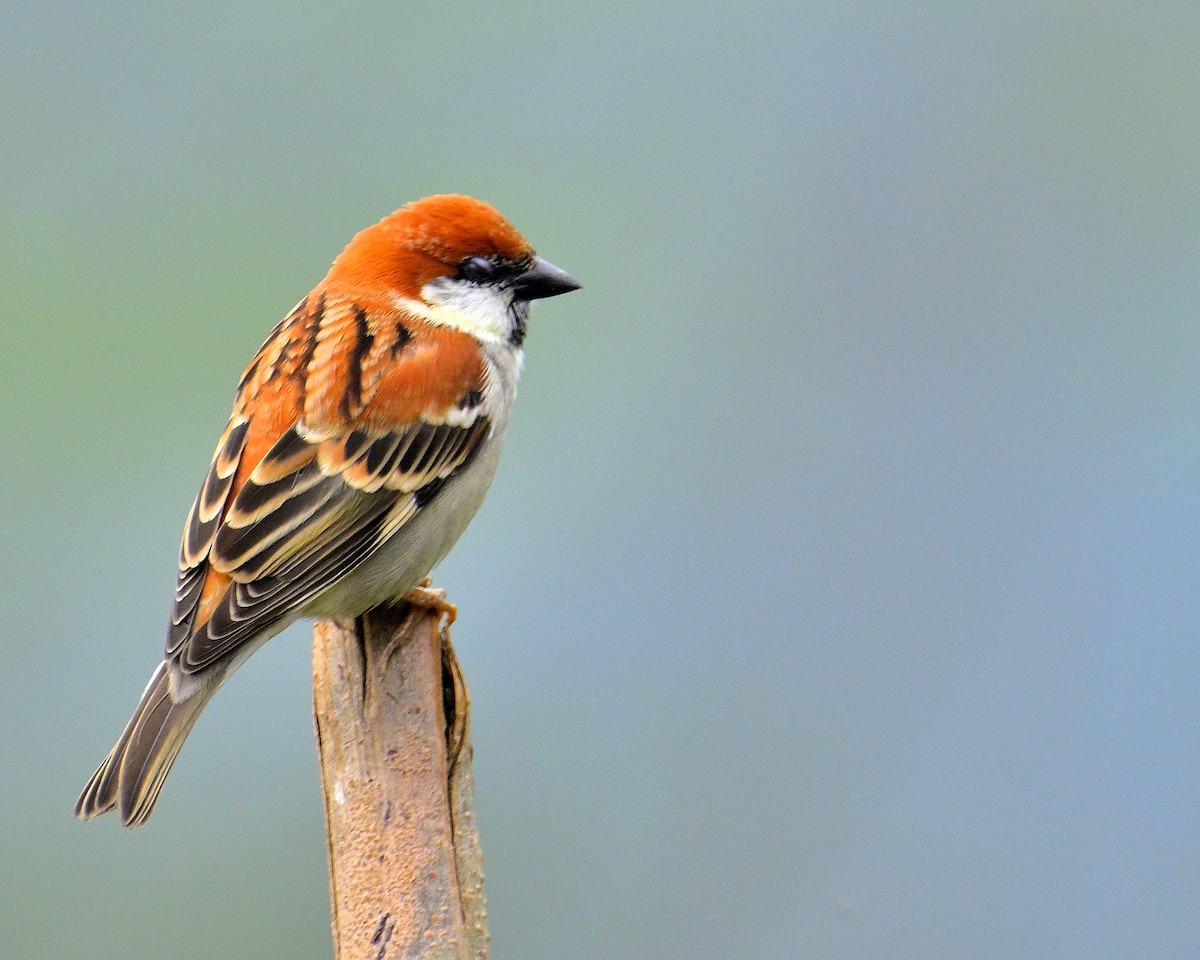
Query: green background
[837, 593]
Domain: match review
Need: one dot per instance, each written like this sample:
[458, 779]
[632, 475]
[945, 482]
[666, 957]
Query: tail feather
[132, 774]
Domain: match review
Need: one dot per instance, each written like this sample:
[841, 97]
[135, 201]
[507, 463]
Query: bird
[365, 433]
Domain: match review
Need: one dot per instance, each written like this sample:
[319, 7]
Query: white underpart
[482, 310]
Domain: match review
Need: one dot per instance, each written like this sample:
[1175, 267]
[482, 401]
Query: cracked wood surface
[405, 867]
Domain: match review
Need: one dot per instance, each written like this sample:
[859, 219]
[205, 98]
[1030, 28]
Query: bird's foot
[432, 598]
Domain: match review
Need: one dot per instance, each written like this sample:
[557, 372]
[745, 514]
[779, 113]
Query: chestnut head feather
[425, 240]
[452, 261]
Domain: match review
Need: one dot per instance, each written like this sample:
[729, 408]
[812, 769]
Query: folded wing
[309, 513]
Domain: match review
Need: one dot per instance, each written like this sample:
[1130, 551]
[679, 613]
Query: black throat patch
[519, 311]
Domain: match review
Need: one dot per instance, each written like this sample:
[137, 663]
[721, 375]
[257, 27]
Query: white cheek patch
[482, 310]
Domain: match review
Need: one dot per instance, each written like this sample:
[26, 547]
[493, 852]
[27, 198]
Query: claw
[432, 598]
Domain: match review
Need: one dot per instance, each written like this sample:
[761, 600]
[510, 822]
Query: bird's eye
[477, 269]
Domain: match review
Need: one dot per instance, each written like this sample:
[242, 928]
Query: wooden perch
[405, 866]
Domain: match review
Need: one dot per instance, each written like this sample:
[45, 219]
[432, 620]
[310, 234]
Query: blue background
[837, 593]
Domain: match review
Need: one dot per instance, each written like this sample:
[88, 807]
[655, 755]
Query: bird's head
[454, 261]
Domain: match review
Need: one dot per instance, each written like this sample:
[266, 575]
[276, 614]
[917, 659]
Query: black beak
[542, 279]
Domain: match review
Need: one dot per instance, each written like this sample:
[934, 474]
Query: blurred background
[837, 593]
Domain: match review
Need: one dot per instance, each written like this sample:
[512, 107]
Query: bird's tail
[132, 774]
